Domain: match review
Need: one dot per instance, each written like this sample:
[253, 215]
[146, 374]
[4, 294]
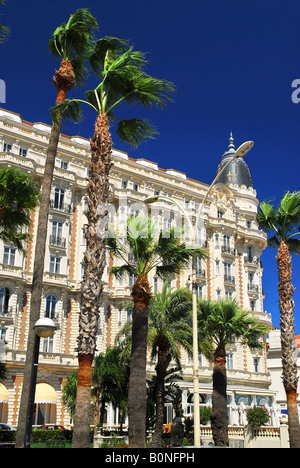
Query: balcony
[59, 206]
[253, 288]
[229, 279]
[251, 260]
[6, 311]
[200, 273]
[57, 241]
[228, 250]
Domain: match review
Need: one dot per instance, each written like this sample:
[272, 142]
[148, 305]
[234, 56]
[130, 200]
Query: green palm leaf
[135, 131]
[73, 41]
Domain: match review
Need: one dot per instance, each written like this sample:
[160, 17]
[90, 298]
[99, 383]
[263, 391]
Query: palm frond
[102, 47]
[123, 271]
[149, 91]
[135, 131]
[266, 216]
[70, 110]
[290, 207]
[294, 246]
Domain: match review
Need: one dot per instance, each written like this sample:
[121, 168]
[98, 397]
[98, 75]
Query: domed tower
[237, 172]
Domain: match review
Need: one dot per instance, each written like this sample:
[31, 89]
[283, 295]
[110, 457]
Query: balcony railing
[253, 287]
[228, 250]
[251, 260]
[200, 273]
[63, 207]
[6, 311]
[229, 279]
[57, 241]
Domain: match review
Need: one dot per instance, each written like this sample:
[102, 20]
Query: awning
[44, 393]
[3, 394]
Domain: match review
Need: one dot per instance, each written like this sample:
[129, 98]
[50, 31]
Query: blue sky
[232, 61]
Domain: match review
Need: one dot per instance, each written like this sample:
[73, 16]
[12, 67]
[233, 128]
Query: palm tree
[168, 255]
[108, 378]
[18, 195]
[170, 327]
[283, 224]
[69, 393]
[71, 42]
[222, 322]
[123, 80]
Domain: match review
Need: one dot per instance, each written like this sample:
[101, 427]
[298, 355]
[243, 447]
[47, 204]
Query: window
[59, 197]
[218, 294]
[199, 290]
[226, 241]
[64, 165]
[7, 147]
[22, 152]
[57, 228]
[4, 300]
[229, 360]
[228, 294]
[48, 344]
[155, 285]
[50, 306]
[249, 254]
[248, 223]
[129, 315]
[83, 238]
[136, 187]
[227, 270]
[217, 241]
[132, 280]
[119, 317]
[187, 204]
[156, 192]
[217, 267]
[250, 278]
[252, 305]
[256, 364]
[124, 184]
[54, 264]
[9, 255]
[220, 214]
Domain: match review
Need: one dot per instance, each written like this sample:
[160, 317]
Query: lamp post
[43, 328]
[239, 153]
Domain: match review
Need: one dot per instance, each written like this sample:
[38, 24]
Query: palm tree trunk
[161, 370]
[287, 326]
[92, 285]
[219, 416]
[137, 399]
[63, 84]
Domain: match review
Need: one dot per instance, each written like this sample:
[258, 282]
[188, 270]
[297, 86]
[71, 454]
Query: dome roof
[237, 172]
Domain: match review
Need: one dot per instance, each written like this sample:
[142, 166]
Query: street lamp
[239, 153]
[43, 328]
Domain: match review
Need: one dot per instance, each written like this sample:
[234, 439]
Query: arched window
[50, 306]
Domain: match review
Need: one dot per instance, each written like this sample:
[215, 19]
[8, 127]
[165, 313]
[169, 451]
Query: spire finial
[231, 140]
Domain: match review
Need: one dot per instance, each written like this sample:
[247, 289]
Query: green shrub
[205, 412]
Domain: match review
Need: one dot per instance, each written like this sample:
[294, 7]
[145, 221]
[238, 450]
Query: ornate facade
[228, 230]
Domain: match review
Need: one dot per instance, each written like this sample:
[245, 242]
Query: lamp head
[243, 149]
[44, 327]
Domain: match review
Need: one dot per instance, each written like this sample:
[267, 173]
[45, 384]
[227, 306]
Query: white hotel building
[230, 233]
